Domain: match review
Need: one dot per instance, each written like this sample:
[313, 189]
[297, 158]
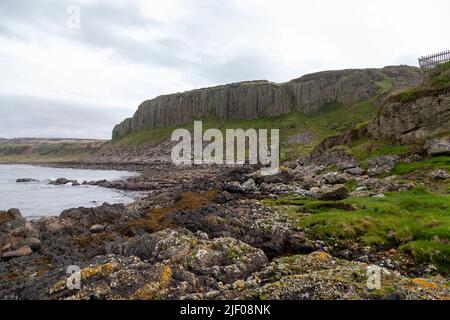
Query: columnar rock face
[245, 100]
[254, 99]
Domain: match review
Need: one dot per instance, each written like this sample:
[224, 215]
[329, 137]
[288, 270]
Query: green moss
[47, 151]
[412, 220]
[437, 82]
[442, 162]
[430, 251]
[367, 147]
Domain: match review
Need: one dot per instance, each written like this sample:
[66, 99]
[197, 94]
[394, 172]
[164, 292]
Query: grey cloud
[182, 48]
[26, 116]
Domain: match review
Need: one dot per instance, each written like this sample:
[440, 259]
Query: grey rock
[60, 181]
[346, 165]
[26, 180]
[249, 185]
[381, 164]
[96, 228]
[33, 243]
[335, 178]
[439, 175]
[356, 171]
[23, 251]
[438, 147]
[336, 192]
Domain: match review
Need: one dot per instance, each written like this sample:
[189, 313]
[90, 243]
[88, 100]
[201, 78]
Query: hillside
[47, 150]
[306, 110]
[261, 99]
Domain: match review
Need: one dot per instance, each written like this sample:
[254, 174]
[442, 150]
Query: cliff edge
[256, 99]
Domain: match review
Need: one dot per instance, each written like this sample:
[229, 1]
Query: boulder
[335, 178]
[381, 164]
[21, 252]
[346, 165]
[437, 147]
[356, 171]
[96, 228]
[328, 193]
[60, 181]
[26, 180]
[249, 185]
[33, 243]
[439, 175]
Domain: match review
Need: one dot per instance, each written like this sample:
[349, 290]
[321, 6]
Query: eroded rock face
[254, 99]
[412, 122]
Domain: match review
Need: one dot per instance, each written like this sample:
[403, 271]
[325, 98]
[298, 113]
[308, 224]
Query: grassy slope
[416, 221]
[437, 82]
[335, 118]
[47, 152]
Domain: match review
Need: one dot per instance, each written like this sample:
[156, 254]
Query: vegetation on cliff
[47, 150]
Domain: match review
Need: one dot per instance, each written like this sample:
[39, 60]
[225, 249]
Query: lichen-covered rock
[224, 259]
[414, 121]
[326, 192]
[381, 164]
[440, 175]
[318, 276]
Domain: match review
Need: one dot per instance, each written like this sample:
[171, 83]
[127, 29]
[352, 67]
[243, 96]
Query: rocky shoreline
[207, 233]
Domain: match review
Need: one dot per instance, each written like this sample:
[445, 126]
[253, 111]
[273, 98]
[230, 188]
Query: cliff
[418, 113]
[255, 99]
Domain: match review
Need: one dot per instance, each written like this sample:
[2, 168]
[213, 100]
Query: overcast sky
[57, 80]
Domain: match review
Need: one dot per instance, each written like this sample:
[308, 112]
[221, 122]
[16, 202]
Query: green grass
[367, 147]
[442, 162]
[47, 152]
[416, 221]
[437, 82]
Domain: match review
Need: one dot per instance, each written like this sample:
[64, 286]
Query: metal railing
[430, 61]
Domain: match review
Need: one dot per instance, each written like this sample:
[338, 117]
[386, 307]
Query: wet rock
[26, 180]
[96, 228]
[224, 197]
[88, 217]
[62, 181]
[33, 243]
[381, 164]
[22, 251]
[10, 220]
